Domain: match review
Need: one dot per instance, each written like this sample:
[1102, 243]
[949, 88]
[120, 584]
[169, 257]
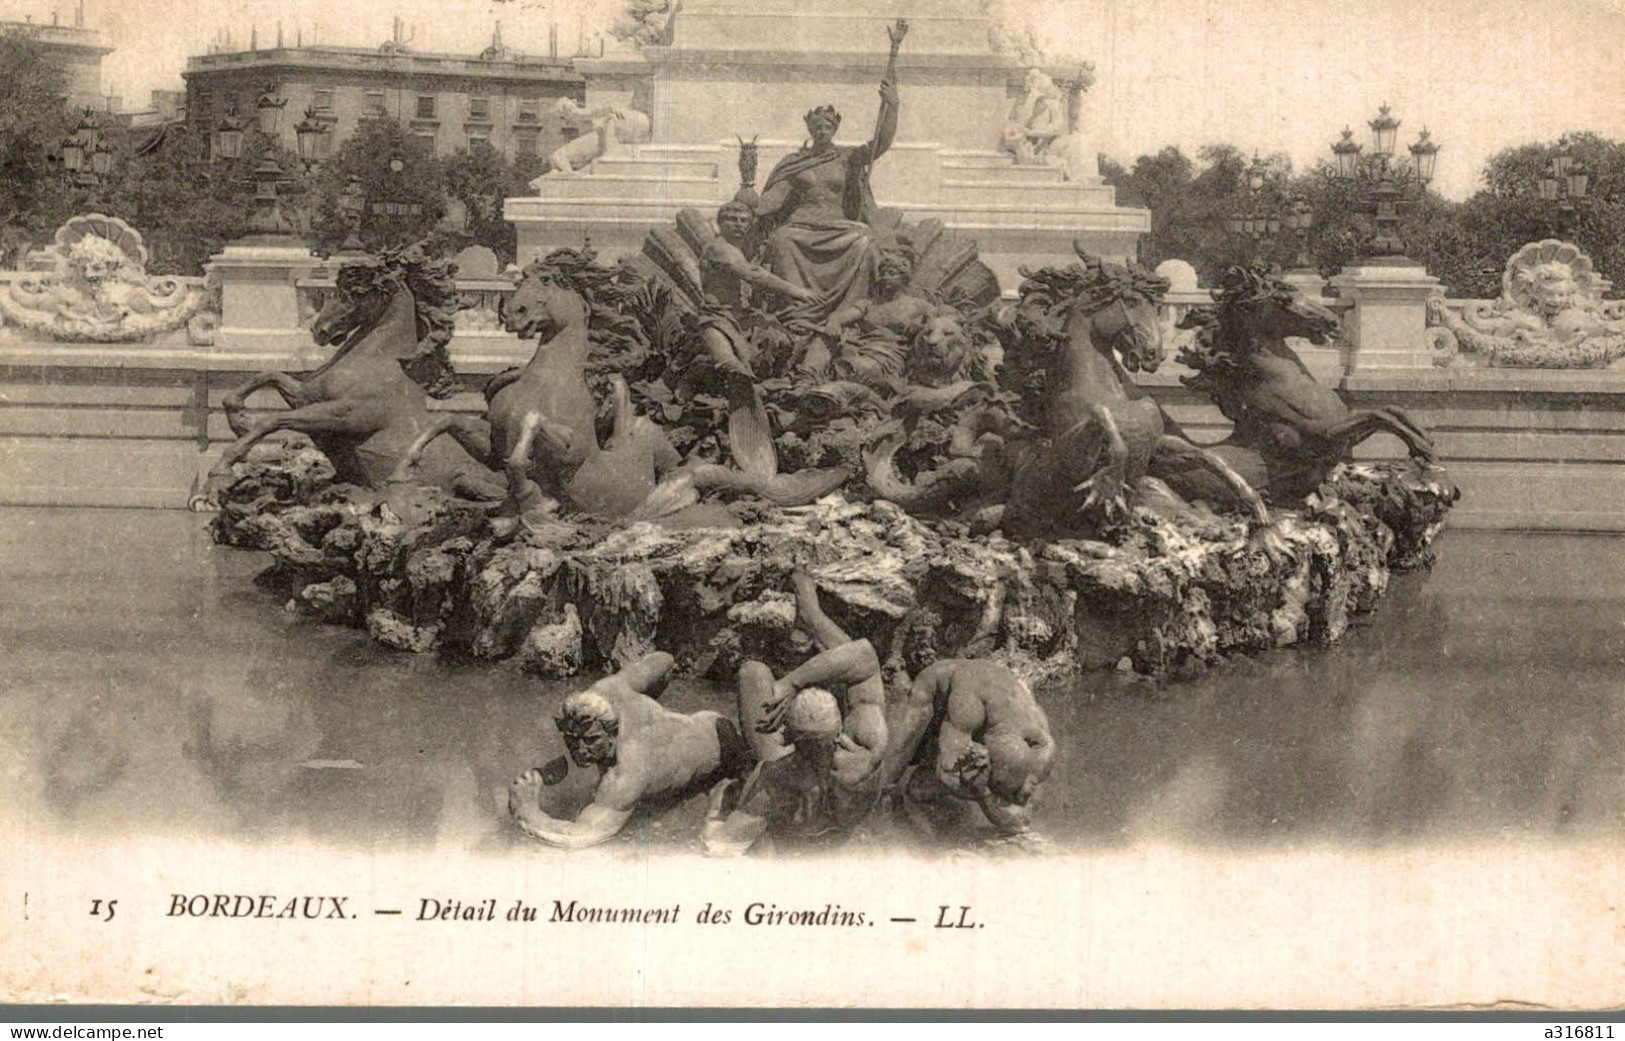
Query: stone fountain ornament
[91, 285]
[1551, 315]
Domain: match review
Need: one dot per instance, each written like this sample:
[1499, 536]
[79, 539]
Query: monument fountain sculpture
[815, 387]
[1551, 315]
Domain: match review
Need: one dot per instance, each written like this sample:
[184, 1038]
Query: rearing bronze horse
[1106, 433]
[1101, 435]
[364, 407]
[1290, 431]
[540, 430]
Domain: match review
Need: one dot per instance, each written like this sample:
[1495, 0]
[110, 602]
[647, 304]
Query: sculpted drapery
[817, 209]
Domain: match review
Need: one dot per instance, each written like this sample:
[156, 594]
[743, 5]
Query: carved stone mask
[97, 259]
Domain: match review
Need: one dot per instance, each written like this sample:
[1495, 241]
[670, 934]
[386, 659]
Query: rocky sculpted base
[424, 572]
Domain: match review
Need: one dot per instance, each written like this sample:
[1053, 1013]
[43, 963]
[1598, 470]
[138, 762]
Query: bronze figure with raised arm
[642, 750]
[973, 731]
[818, 750]
[818, 202]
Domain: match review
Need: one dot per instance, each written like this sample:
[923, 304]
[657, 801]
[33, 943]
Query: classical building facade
[500, 98]
[76, 49]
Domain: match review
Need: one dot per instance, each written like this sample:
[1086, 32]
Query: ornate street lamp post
[95, 158]
[73, 154]
[1384, 195]
[86, 155]
[1566, 182]
[308, 132]
[268, 109]
[1299, 219]
[394, 207]
[353, 201]
[268, 218]
[228, 137]
[1258, 219]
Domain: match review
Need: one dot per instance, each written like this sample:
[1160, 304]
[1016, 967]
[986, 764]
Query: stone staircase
[985, 182]
[1018, 214]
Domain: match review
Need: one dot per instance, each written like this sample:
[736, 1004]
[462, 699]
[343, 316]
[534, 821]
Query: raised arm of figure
[609, 811]
[810, 612]
[886, 120]
[849, 665]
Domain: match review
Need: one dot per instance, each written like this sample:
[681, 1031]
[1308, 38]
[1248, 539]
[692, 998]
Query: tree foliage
[477, 181]
[1465, 244]
[186, 206]
[390, 194]
[34, 118]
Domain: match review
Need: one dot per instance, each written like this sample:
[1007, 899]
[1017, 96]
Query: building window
[427, 137]
[478, 141]
[324, 100]
[426, 106]
[526, 141]
[528, 109]
[375, 104]
[479, 108]
[324, 145]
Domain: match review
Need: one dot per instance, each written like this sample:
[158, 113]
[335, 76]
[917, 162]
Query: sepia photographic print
[972, 504]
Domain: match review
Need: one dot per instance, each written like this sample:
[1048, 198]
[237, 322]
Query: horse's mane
[432, 283]
[1216, 351]
[1047, 297]
[1218, 339]
[578, 270]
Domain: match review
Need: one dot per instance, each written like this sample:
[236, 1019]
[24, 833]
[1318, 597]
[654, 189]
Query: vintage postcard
[876, 503]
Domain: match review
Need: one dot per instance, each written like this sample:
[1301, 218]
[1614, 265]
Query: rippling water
[149, 687]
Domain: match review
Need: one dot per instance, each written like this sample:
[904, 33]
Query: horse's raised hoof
[206, 491]
[1106, 496]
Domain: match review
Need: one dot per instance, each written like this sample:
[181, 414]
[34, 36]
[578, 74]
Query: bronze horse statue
[1100, 435]
[1289, 430]
[365, 406]
[540, 429]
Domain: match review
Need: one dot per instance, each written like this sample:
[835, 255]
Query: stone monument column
[1387, 325]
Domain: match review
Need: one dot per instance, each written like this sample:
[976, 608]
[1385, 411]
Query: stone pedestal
[259, 295]
[754, 69]
[1307, 281]
[1386, 325]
